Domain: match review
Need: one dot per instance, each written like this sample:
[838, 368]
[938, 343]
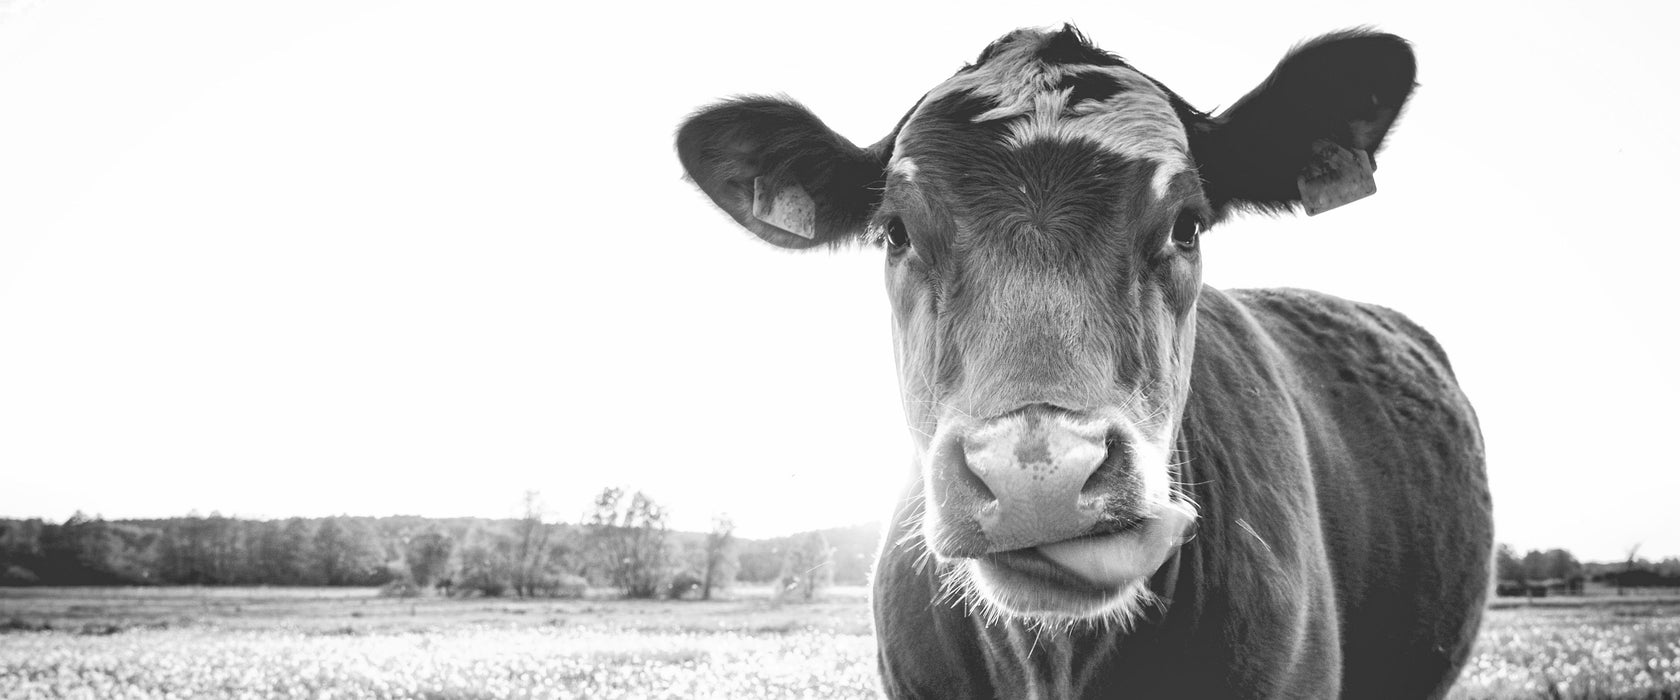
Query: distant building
[1574, 585]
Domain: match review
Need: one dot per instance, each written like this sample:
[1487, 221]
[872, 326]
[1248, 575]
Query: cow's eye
[897, 238]
[1186, 231]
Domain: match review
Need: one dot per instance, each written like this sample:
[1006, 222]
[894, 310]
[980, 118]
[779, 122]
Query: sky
[355, 257]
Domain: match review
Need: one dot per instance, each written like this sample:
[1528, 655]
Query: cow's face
[1040, 219]
[1039, 213]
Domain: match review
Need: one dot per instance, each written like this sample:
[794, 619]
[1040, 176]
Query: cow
[1127, 483]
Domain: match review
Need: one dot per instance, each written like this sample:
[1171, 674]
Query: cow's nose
[1042, 467]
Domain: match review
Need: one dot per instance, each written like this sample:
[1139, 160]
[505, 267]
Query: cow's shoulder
[1337, 345]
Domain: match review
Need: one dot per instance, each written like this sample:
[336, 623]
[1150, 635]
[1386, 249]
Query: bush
[684, 585]
[485, 585]
[400, 588]
[18, 576]
[562, 586]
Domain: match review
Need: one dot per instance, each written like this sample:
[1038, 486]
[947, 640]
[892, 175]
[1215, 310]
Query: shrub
[685, 584]
[400, 588]
[485, 585]
[562, 586]
[18, 576]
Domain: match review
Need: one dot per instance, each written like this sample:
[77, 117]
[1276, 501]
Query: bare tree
[720, 556]
[605, 543]
[1628, 568]
[629, 542]
[532, 554]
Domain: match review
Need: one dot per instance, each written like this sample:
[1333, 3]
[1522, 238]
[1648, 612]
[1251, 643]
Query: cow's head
[1039, 214]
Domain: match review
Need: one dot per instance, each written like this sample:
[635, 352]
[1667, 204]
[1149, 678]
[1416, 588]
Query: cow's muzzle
[1035, 476]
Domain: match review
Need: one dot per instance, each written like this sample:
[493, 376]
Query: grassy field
[339, 643]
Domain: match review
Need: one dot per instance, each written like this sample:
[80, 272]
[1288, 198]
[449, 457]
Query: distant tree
[1621, 586]
[854, 548]
[854, 551]
[761, 560]
[1560, 564]
[20, 542]
[130, 553]
[296, 552]
[183, 551]
[1509, 567]
[488, 561]
[606, 540]
[280, 552]
[720, 556]
[568, 551]
[1534, 565]
[267, 552]
[630, 542]
[346, 553]
[223, 549]
[77, 552]
[332, 557]
[530, 562]
[428, 557]
[810, 563]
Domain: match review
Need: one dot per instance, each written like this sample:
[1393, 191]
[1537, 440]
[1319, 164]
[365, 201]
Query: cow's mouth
[1084, 577]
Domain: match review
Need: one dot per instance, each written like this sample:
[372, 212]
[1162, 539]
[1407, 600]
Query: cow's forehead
[1045, 85]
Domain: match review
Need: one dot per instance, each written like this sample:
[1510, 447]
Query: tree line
[1557, 568]
[623, 542]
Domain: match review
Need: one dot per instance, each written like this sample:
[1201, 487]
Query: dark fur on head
[1347, 87]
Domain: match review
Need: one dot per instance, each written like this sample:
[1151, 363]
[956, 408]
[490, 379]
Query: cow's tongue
[1112, 561]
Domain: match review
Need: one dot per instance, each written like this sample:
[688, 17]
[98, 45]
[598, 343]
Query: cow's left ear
[1309, 134]
[780, 173]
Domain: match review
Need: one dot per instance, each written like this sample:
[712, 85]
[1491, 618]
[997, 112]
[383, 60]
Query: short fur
[1336, 432]
[1036, 269]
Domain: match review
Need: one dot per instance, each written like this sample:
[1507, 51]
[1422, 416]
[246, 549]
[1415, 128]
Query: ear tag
[789, 209]
[1335, 176]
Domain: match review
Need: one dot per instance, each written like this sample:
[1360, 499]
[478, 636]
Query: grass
[1593, 648]
[338, 643]
[843, 610]
[325, 643]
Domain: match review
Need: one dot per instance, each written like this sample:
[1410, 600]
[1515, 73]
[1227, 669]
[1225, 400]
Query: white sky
[311, 258]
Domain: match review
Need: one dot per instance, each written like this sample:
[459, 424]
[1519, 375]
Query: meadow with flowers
[336, 643]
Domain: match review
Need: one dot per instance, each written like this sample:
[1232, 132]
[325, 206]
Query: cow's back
[1402, 493]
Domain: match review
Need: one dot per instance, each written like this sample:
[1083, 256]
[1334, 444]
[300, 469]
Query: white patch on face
[1139, 128]
[903, 167]
[1138, 122]
[1120, 609]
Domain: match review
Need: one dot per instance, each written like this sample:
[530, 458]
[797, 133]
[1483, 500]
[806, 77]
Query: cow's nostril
[965, 474]
[1116, 457]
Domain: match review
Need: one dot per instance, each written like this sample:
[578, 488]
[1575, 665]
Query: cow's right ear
[782, 174]
[1308, 136]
